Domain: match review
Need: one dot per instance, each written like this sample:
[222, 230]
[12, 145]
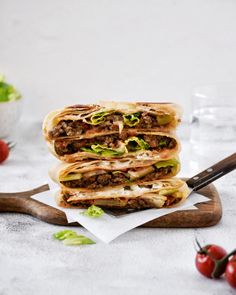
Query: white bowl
[9, 116]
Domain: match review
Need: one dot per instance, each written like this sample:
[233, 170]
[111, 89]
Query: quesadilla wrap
[86, 120]
[157, 194]
[90, 175]
[143, 145]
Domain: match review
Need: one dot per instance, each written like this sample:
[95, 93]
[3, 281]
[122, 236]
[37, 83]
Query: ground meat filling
[119, 203]
[97, 181]
[70, 146]
[69, 128]
[75, 128]
[147, 121]
[113, 179]
[160, 142]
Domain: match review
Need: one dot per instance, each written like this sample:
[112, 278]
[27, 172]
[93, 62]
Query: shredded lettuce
[135, 144]
[78, 240]
[162, 143]
[104, 151]
[167, 163]
[70, 237]
[98, 118]
[7, 91]
[94, 211]
[131, 119]
[64, 234]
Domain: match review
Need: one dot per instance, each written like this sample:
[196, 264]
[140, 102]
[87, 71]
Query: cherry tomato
[206, 257]
[4, 151]
[230, 272]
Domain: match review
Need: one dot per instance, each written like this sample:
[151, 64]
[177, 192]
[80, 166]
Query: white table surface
[143, 261]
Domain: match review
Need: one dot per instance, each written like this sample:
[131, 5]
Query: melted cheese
[140, 172]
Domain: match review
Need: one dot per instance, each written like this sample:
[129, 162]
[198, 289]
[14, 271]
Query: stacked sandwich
[116, 155]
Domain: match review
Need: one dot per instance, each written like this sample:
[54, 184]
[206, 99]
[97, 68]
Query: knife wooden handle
[26, 194]
[212, 173]
[34, 208]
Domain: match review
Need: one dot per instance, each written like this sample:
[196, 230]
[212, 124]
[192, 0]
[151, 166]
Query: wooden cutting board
[209, 213]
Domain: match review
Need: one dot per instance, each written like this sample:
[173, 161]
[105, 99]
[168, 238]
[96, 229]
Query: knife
[212, 173]
[194, 183]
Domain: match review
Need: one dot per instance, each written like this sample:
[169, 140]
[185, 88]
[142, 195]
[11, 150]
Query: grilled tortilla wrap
[158, 194]
[96, 175]
[144, 145]
[86, 120]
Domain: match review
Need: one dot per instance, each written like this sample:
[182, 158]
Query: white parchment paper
[108, 227]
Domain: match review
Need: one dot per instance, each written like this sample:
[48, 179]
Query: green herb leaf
[64, 234]
[104, 151]
[70, 237]
[78, 240]
[94, 211]
[98, 118]
[131, 119]
[135, 144]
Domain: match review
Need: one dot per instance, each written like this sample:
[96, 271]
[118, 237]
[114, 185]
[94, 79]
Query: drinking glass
[213, 124]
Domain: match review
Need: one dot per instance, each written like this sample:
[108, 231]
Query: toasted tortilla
[84, 112]
[135, 170]
[158, 194]
[156, 155]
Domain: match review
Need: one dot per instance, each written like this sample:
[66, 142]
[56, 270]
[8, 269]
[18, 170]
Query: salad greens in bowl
[10, 107]
[7, 91]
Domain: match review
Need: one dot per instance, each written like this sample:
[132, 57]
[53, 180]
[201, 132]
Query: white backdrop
[60, 52]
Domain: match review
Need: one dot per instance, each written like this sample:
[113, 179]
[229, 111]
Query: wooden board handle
[212, 173]
[34, 208]
[22, 202]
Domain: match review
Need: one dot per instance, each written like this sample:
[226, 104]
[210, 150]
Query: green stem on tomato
[220, 265]
[11, 144]
[201, 250]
